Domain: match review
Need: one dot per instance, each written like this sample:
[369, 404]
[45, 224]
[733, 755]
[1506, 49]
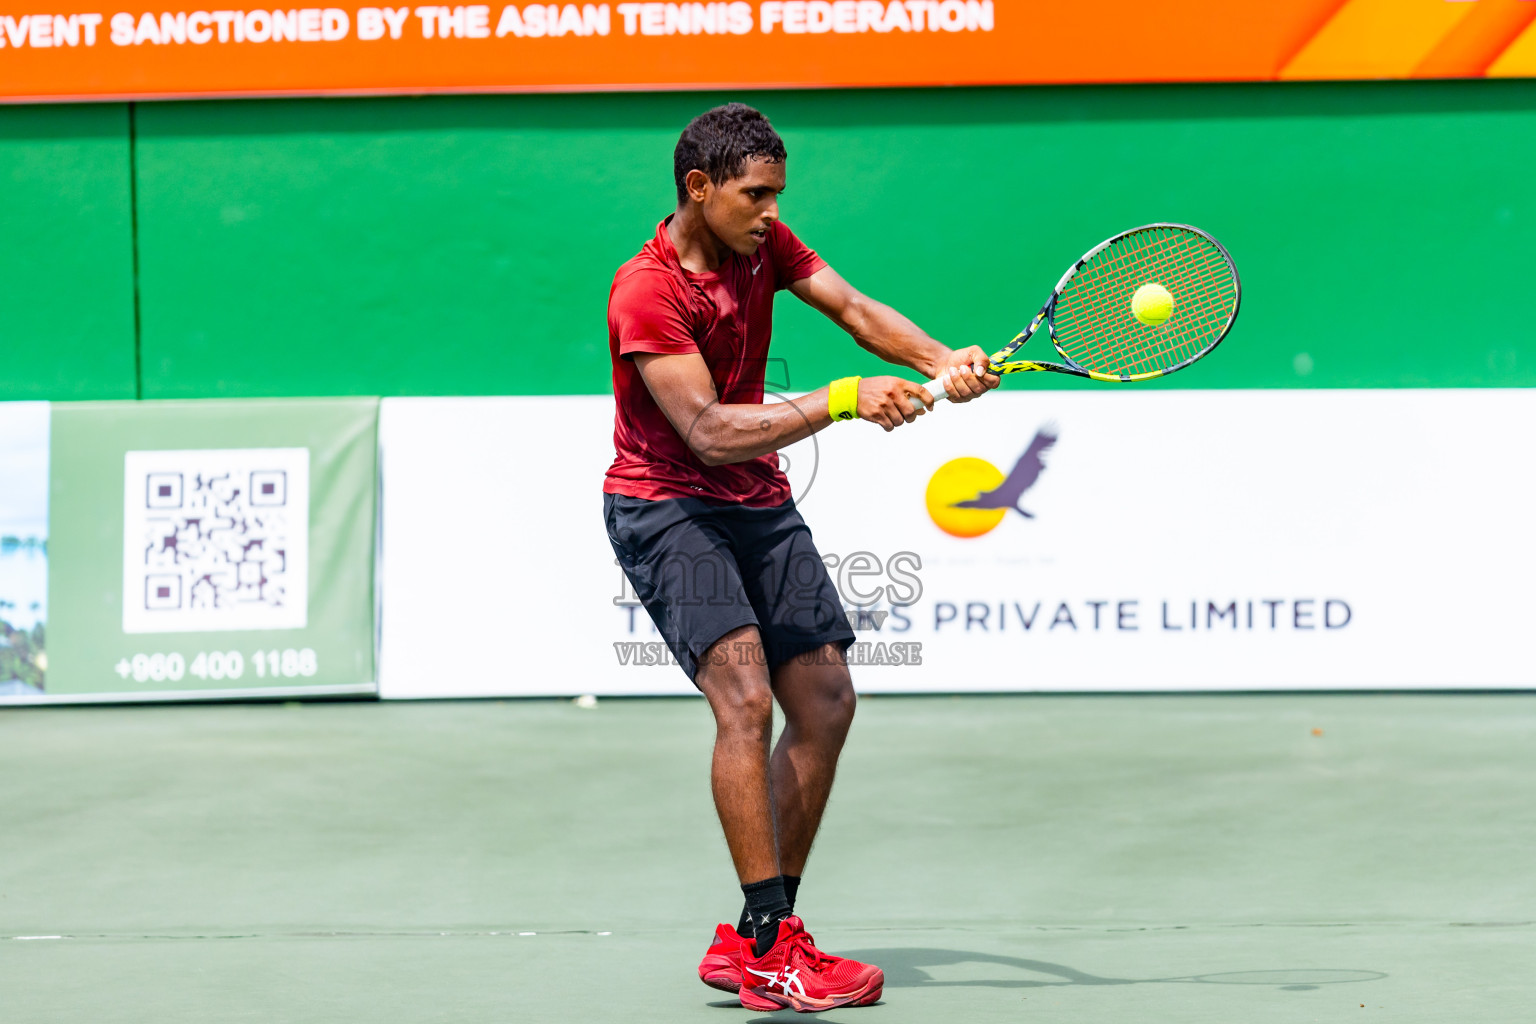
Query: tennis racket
[1142, 304]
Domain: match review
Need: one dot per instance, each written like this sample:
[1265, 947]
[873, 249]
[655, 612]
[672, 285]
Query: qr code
[216, 539]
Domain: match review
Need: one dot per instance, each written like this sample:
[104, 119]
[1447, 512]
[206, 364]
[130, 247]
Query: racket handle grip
[936, 388]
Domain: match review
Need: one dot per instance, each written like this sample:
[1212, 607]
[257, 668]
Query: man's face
[741, 210]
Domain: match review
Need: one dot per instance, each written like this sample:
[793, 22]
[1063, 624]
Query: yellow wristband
[843, 398]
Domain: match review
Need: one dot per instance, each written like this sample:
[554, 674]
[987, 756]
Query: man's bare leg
[734, 679]
[816, 694]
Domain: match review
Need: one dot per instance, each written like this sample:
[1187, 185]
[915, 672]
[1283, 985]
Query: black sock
[791, 888]
[767, 905]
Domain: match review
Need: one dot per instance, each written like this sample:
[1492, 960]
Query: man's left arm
[891, 336]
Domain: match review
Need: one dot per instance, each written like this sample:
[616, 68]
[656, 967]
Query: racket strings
[1093, 315]
[1094, 323]
[1168, 347]
[1206, 312]
[1105, 322]
[1105, 337]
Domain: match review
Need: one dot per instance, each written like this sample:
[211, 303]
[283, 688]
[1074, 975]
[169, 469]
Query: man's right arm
[723, 434]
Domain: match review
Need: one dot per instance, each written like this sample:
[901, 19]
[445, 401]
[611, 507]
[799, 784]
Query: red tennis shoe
[795, 975]
[721, 966]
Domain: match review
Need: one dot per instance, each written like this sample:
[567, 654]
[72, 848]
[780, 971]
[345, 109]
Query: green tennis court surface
[1179, 859]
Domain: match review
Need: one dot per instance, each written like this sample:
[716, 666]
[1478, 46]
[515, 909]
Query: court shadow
[911, 967]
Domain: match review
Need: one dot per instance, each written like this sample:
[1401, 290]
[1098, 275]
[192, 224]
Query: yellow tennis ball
[1152, 304]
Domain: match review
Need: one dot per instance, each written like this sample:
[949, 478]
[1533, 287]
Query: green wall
[464, 245]
[66, 253]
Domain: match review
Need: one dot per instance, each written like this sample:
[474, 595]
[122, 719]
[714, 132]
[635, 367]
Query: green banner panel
[66, 265]
[465, 245]
[213, 548]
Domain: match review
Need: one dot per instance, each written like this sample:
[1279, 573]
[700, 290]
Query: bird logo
[969, 497]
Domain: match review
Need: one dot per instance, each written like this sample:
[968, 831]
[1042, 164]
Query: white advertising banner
[1113, 539]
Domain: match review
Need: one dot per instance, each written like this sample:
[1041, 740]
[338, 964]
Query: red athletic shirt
[726, 315]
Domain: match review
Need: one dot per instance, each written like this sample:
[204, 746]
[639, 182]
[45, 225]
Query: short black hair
[719, 142]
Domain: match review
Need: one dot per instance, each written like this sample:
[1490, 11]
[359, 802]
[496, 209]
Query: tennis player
[704, 526]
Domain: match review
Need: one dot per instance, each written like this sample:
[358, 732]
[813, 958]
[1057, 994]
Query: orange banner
[71, 54]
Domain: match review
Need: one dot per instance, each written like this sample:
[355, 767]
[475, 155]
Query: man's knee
[842, 702]
[746, 706]
[737, 685]
[818, 694]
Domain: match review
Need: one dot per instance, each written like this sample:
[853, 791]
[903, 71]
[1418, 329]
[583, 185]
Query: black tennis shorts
[703, 570]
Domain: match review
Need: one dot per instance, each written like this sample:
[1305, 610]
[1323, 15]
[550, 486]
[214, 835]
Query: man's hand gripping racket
[1145, 303]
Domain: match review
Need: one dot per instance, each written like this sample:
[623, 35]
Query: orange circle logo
[961, 480]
